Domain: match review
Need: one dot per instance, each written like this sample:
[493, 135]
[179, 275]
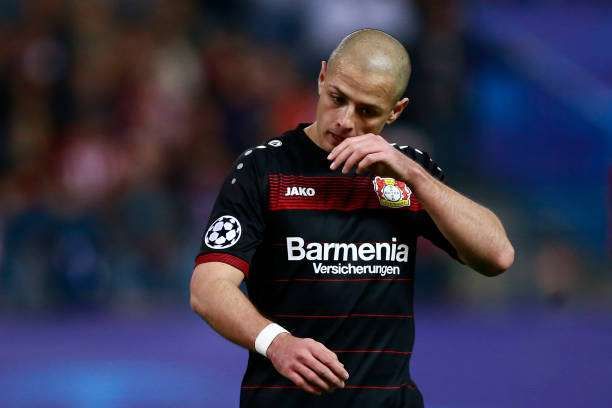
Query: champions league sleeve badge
[392, 193]
[223, 233]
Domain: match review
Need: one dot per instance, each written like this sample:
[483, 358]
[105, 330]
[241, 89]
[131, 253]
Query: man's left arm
[475, 232]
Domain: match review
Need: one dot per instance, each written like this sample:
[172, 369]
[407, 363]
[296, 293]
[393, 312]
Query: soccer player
[323, 222]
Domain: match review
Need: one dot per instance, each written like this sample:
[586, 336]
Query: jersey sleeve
[237, 222]
[430, 231]
[426, 225]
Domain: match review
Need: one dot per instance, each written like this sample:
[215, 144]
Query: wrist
[417, 177]
[277, 344]
[266, 336]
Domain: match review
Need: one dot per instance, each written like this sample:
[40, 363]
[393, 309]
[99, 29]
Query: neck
[313, 134]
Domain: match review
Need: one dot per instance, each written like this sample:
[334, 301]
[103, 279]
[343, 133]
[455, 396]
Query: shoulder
[267, 149]
[262, 156]
[423, 158]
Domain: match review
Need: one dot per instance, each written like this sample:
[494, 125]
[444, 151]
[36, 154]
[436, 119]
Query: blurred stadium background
[120, 118]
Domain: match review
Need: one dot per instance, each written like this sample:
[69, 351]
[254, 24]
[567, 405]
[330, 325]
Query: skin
[216, 297]
[358, 97]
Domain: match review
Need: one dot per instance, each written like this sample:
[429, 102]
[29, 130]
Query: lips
[337, 139]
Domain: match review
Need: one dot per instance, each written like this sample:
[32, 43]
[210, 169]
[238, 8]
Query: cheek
[375, 126]
[368, 126]
[327, 114]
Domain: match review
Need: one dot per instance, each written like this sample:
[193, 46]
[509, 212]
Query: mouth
[336, 139]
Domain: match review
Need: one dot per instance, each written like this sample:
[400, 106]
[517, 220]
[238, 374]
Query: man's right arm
[217, 298]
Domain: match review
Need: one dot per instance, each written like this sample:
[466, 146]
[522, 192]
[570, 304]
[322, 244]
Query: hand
[371, 153]
[308, 363]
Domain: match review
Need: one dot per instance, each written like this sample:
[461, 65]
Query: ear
[322, 74]
[397, 110]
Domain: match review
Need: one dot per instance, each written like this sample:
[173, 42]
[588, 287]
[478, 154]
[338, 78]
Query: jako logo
[300, 191]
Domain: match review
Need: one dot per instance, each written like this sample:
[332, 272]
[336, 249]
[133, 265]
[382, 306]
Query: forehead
[364, 86]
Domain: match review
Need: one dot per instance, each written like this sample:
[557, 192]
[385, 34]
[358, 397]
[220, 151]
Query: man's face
[352, 103]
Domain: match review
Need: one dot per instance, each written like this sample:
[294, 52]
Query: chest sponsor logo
[392, 193]
[300, 192]
[337, 257]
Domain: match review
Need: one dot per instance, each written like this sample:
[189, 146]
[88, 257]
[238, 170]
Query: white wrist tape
[265, 337]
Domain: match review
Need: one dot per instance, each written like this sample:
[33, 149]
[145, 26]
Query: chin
[332, 139]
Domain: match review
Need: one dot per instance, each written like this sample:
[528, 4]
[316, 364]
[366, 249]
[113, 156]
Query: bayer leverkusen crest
[392, 193]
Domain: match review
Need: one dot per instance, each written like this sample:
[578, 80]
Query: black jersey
[327, 256]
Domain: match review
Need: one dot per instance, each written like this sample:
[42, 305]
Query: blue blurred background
[119, 119]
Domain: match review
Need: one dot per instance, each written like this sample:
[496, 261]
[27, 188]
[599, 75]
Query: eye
[367, 112]
[337, 99]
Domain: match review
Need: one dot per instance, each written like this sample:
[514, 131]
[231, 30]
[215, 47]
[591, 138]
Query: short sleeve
[429, 230]
[237, 222]
[424, 159]
[426, 226]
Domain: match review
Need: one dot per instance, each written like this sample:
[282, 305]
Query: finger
[324, 354]
[351, 161]
[320, 351]
[331, 362]
[359, 153]
[338, 149]
[328, 352]
[312, 377]
[318, 348]
[369, 160]
[353, 141]
[344, 144]
[302, 383]
[353, 147]
[342, 155]
[326, 373]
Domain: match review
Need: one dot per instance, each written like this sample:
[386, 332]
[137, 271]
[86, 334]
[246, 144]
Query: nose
[346, 119]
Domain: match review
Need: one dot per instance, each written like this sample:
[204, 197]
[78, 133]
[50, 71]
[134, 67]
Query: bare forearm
[216, 297]
[473, 230]
[227, 310]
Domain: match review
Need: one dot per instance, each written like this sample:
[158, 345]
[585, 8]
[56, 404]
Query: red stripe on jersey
[374, 351]
[381, 387]
[348, 193]
[348, 386]
[232, 260]
[345, 316]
